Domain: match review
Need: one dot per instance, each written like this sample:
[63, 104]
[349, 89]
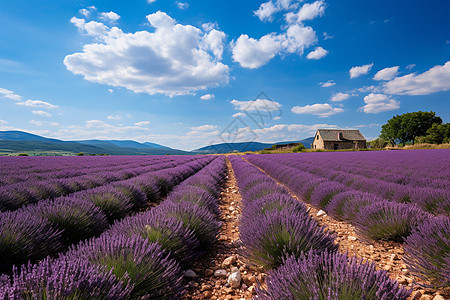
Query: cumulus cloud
[85, 12]
[320, 109]
[239, 114]
[37, 103]
[308, 11]
[109, 16]
[41, 113]
[387, 73]
[207, 97]
[328, 83]
[114, 117]
[142, 123]
[317, 54]
[182, 5]
[5, 93]
[256, 105]
[436, 79]
[376, 103]
[358, 71]
[252, 53]
[204, 128]
[174, 59]
[266, 11]
[339, 97]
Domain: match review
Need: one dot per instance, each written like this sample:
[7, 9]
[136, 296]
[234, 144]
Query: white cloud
[37, 103]
[358, 71]
[114, 117]
[182, 5]
[410, 66]
[326, 36]
[142, 123]
[308, 11]
[317, 54]
[328, 83]
[54, 123]
[376, 103]
[320, 109]
[3, 121]
[207, 97]
[174, 60]
[110, 91]
[387, 73]
[436, 79]
[256, 105]
[205, 128]
[91, 28]
[37, 123]
[252, 53]
[339, 97]
[266, 11]
[239, 114]
[85, 12]
[210, 26]
[109, 16]
[41, 113]
[4, 93]
[367, 88]
[150, 1]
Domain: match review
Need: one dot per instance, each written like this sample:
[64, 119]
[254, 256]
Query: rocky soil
[225, 274]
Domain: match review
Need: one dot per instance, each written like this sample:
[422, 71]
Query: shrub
[12, 198]
[195, 195]
[112, 202]
[149, 268]
[204, 182]
[323, 193]
[195, 218]
[280, 234]
[346, 205]
[25, 236]
[133, 193]
[167, 232]
[63, 279]
[386, 220]
[428, 251]
[299, 148]
[330, 275]
[78, 219]
[263, 190]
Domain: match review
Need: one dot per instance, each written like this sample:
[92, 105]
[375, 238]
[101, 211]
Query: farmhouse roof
[335, 134]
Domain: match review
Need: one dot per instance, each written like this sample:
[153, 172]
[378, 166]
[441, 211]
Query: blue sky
[191, 73]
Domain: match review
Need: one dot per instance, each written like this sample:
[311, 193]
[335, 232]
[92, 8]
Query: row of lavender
[140, 256]
[430, 191]
[300, 256]
[426, 236]
[52, 225]
[14, 196]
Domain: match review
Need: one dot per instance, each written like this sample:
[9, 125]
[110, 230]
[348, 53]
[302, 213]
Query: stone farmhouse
[336, 139]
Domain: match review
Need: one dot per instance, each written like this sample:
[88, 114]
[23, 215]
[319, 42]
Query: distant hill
[22, 142]
[247, 146]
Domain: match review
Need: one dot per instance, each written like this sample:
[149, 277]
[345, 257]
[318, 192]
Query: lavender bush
[428, 251]
[195, 195]
[149, 268]
[63, 279]
[330, 276]
[198, 219]
[346, 205]
[25, 236]
[386, 220]
[78, 219]
[323, 193]
[168, 232]
[280, 234]
[133, 193]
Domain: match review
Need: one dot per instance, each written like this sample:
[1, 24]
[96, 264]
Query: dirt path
[385, 254]
[213, 270]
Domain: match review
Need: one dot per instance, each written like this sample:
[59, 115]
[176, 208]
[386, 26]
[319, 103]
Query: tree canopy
[405, 128]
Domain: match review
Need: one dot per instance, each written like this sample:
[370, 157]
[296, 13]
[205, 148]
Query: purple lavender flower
[195, 195]
[428, 251]
[386, 220]
[25, 236]
[280, 234]
[78, 219]
[63, 279]
[133, 193]
[168, 232]
[330, 275]
[346, 205]
[148, 266]
[323, 193]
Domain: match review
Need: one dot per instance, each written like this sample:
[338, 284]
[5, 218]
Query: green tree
[299, 148]
[408, 126]
[437, 134]
[378, 143]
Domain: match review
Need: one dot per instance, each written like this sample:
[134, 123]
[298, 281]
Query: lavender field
[131, 227]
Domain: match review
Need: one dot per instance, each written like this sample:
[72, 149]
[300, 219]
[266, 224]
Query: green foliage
[378, 143]
[408, 126]
[437, 134]
[80, 154]
[22, 154]
[299, 148]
